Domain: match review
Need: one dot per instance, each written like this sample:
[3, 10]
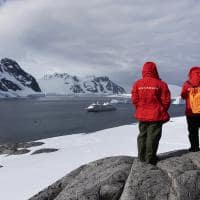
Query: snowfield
[25, 175]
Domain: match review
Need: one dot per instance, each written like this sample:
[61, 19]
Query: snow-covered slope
[15, 82]
[25, 175]
[66, 84]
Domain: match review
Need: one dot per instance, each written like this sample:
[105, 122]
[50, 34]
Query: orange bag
[194, 99]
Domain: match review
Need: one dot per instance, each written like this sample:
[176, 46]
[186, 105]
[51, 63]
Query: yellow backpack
[194, 99]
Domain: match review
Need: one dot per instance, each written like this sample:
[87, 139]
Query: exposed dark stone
[115, 88]
[102, 78]
[146, 182]
[111, 192]
[110, 86]
[76, 89]
[1, 166]
[29, 144]
[13, 149]
[99, 180]
[175, 177]
[8, 148]
[91, 88]
[20, 151]
[101, 88]
[75, 78]
[45, 150]
[3, 88]
[52, 191]
[10, 85]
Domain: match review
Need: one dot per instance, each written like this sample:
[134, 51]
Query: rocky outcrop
[44, 150]
[18, 148]
[102, 179]
[29, 144]
[175, 177]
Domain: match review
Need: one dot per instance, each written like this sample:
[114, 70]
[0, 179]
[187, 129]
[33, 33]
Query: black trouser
[193, 128]
[148, 141]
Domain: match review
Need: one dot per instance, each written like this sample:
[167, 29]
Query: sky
[102, 37]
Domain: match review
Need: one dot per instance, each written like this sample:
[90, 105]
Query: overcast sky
[102, 37]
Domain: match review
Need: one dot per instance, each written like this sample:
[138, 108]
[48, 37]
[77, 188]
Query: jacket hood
[194, 76]
[150, 70]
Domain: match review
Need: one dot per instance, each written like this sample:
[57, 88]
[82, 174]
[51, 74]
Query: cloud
[112, 37]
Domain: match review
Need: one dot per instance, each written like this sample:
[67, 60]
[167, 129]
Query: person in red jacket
[151, 98]
[193, 119]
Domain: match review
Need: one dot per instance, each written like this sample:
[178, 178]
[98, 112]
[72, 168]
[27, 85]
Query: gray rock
[29, 144]
[1, 166]
[111, 192]
[14, 151]
[8, 151]
[175, 177]
[184, 173]
[18, 148]
[20, 151]
[146, 182]
[45, 150]
[52, 191]
[102, 179]
[8, 148]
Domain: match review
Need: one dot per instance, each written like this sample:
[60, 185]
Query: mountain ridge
[64, 83]
[14, 81]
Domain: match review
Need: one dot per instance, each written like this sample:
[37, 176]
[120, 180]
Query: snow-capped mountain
[65, 84]
[14, 81]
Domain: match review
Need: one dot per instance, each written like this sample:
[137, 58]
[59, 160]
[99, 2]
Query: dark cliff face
[12, 75]
[101, 84]
[110, 86]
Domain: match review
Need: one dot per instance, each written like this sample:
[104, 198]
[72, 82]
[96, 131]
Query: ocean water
[24, 120]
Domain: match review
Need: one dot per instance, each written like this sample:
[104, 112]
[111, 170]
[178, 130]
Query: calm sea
[31, 119]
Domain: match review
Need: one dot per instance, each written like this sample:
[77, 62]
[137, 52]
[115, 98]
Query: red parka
[151, 96]
[193, 81]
